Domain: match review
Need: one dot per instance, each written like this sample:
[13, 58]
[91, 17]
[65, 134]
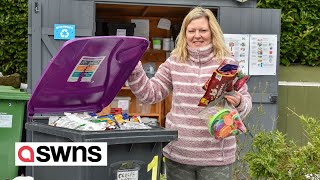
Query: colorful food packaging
[226, 78]
[222, 120]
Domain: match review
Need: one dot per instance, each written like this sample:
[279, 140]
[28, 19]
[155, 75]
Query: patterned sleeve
[151, 90]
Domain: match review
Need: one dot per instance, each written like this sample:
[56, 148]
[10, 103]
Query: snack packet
[220, 81]
[226, 78]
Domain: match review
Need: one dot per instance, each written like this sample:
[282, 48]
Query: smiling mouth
[197, 42]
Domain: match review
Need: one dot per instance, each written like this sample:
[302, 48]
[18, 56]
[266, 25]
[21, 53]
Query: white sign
[5, 121]
[238, 44]
[121, 32]
[123, 104]
[263, 55]
[164, 24]
[142, 27]
[61, 154]
[128, 175]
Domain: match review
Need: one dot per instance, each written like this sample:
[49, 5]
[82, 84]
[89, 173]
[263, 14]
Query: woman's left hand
[234, 99]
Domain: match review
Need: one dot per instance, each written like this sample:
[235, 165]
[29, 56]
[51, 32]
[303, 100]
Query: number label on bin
[127, 175]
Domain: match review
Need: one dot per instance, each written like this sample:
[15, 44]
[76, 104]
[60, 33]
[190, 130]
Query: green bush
[300, 30]
[13, 37]
[271, 157]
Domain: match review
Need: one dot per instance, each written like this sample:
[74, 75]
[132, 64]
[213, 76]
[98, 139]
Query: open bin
[86, 75]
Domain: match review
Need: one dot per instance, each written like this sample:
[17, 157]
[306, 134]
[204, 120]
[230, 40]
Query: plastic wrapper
[76, 121]
[91, 122]
[223, 120]
[226, 78]
[134, 125]
[124, 122]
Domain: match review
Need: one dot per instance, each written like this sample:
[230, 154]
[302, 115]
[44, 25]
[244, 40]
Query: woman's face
[198, 33]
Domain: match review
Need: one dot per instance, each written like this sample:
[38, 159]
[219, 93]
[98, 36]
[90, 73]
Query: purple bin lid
[86, 74]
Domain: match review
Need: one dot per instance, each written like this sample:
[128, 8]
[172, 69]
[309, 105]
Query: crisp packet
[220, 81]
[226, 78]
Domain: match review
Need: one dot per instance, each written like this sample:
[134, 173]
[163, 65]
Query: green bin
[12, 114]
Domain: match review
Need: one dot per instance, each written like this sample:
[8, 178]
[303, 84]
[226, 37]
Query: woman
[199, 51]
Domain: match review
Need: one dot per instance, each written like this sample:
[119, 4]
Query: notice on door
[263, 54]
[85, 69]
[5, 121]
[238, 45]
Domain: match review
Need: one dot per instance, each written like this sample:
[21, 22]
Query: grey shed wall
[208, 3]
[43, 14]
[234, 18]
[264, 89]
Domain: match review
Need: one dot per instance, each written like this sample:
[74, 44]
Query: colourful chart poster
[263, 55]
[238, 44]
[85, 69]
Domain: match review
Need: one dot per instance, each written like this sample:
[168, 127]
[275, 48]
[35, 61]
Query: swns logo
[61, 154]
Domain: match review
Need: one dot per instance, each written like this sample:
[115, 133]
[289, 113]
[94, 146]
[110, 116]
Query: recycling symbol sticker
[64, 31]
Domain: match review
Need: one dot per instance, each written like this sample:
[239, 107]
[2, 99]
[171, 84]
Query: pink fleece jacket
[194, 146]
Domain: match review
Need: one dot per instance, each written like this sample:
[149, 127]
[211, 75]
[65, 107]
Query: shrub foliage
[300, 30]
[13, 37]
[271, 157]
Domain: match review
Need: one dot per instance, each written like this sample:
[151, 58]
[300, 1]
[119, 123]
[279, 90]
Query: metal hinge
[273, 98]
[36, 7]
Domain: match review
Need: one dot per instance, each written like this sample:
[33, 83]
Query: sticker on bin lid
[85, 69]
[111, 60]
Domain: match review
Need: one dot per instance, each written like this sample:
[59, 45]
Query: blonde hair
[219, 49]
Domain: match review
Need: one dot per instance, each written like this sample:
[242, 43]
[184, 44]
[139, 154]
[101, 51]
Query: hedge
[13, 37]
[300, 30]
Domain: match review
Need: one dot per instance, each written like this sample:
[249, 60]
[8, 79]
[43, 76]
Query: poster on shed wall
[263, 54]
[238, 44]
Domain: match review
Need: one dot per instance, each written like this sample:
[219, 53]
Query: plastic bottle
[166, 44]
[171, 44]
